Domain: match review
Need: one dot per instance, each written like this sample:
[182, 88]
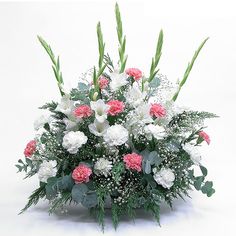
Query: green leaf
[203, 170]
[155, 82]
[207, 188]
[198, 182]
[66, 183]
[55, 62]
[83, 86]
[156, 58]
[117, 170]
[79, 192]
[90, 200]
[188, 69]
[51, 188]
[121, 39]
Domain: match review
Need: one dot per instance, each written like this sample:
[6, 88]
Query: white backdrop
[27, 82]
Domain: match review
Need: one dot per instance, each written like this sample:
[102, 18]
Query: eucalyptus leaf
[79, 192]
[90, 200]
[155, 82]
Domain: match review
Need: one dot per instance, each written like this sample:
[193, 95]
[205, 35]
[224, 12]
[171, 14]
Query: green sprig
[156, 59]
[188, 69]
[101, 65]
[55, 63]
[121, 39]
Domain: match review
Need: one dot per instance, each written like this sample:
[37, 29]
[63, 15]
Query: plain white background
[27, 82]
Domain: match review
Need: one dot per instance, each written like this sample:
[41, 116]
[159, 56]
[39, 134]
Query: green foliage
[117, 170]
[51, 106]
[109, 63]
[188, 70]
[80, 93]
[121, 39]
[188, 121]
[34, 197]
[156, 58]
[82, 194]
[55, 64]
[60, 201]
[57, 185]
[149, 159]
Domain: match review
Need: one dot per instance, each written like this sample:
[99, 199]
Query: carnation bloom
[72, 141]
[164, 177]
[116, 107]
[46, 170]
[81, 174]
[193, 153]
[116, 135]
[133, 161]
[103, 82]
[157, 110]
[83, 111]
[205, 136]
[30, 148]
[135, 73]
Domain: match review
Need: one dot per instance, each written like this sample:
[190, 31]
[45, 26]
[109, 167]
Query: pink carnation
[116, 107]
[81, 174]
[83, 111]
[157, 110]
[205, 136]
[30, 148]
[135, 73]
[133, 161]
[103, 82]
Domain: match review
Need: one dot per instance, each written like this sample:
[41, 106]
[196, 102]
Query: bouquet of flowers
[118, 140]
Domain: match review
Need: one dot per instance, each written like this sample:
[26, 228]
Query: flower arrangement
[117, 139]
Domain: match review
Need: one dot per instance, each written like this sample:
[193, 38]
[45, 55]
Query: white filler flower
[100, 109]
[46, 170]
[193, 153]
[72, 141]
[157, 131]
[164, 177]
[98, 128]
[66, 105]
[117, 80]
[102, 167]
[116, 135]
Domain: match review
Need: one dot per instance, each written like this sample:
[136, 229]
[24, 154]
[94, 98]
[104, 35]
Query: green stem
[55, 64]
[121, 39]
[188, 69]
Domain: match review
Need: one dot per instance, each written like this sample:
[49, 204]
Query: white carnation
[46, 170]
[102, 167]
[157, 131]
[72, 141]
[116, 135]
[164, 177]
[193, 153]
[117, 80]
